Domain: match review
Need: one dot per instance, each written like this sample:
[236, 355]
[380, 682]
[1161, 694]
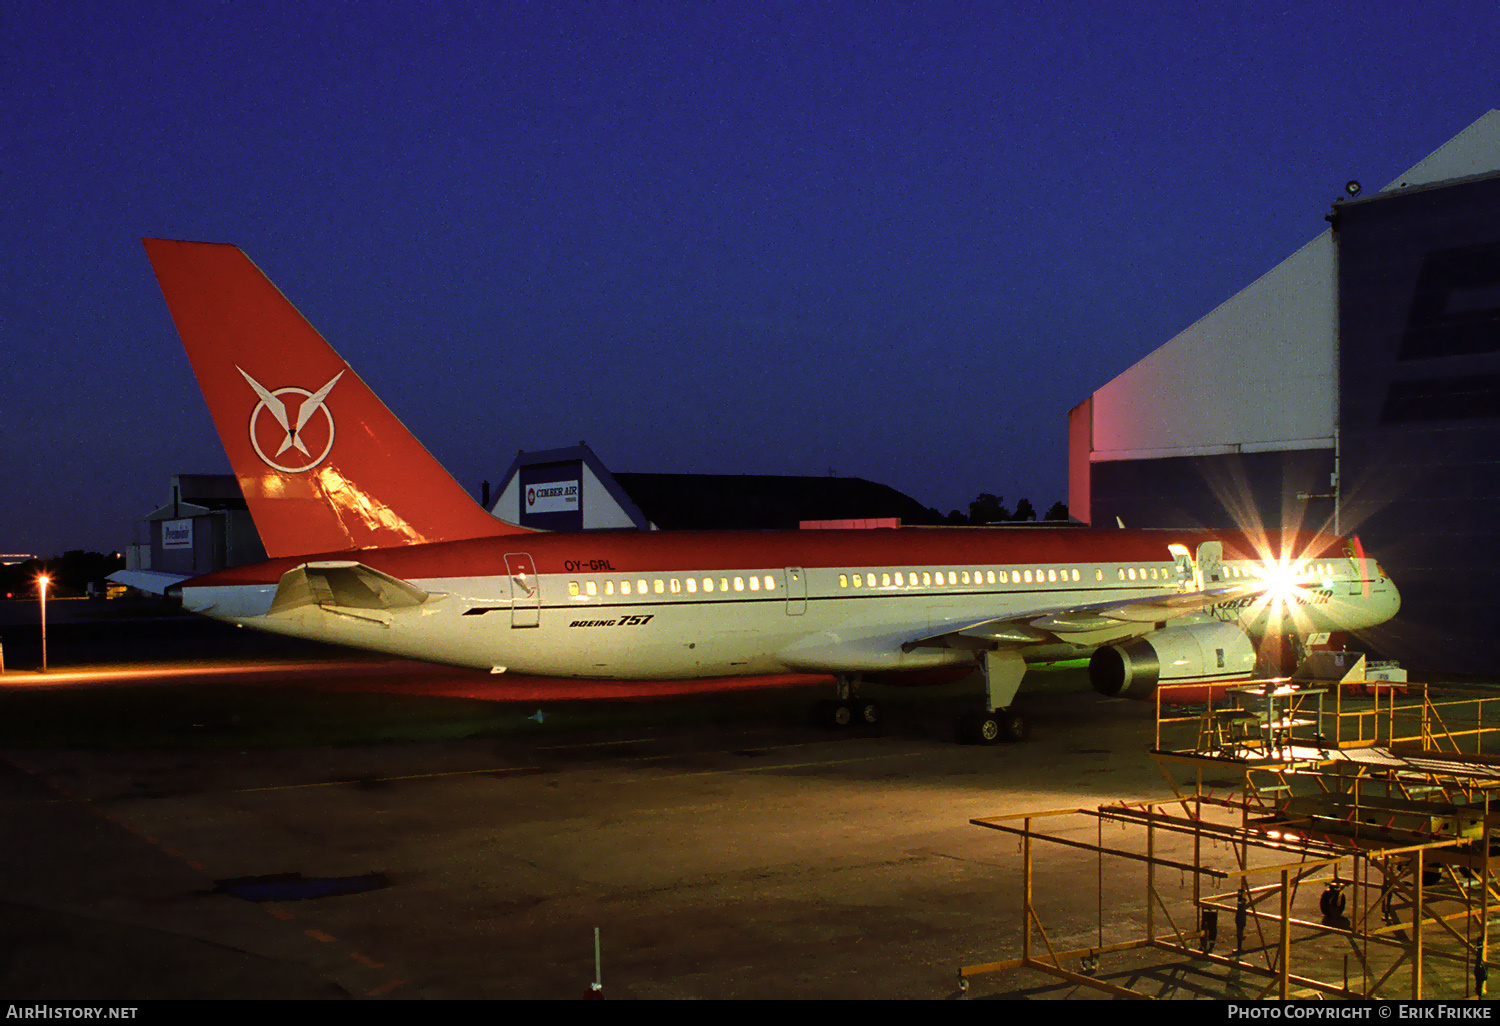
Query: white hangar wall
[1256, 374]
[1354, 386]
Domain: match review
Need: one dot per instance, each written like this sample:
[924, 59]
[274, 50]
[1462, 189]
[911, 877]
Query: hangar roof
[763, 502]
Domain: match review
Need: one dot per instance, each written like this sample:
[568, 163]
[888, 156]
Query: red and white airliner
[373, 544]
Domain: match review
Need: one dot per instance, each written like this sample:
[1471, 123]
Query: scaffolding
[1378, 797]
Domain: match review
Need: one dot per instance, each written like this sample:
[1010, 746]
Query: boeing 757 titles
[372, 544]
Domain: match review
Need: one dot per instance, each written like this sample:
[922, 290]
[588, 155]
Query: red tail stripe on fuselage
[600, 553]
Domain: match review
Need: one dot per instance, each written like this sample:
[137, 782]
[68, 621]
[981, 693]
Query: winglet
[1357, 552]
[323, 464]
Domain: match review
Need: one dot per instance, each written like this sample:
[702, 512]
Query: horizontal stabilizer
[350, 589]
[152, 582]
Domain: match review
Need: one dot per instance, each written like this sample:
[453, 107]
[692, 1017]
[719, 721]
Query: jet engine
[1177, 655]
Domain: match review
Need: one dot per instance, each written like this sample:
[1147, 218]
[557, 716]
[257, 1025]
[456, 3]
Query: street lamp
[41, 585]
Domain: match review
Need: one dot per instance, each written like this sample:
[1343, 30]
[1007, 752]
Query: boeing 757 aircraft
[372, 544]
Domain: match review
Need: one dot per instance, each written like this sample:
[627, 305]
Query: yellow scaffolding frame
[1375, 797]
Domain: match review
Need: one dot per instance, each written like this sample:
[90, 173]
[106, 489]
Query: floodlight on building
[1352, 188]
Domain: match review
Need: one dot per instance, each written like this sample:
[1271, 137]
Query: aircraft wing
[866, 647]
[1076, 622]
[153, 582]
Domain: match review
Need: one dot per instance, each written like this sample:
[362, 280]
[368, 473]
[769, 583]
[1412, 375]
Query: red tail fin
[323, 464]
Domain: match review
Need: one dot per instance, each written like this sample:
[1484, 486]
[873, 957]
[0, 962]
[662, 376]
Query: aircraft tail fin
[323, 464]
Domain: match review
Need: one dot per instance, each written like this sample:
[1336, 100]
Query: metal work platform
[1379, 801]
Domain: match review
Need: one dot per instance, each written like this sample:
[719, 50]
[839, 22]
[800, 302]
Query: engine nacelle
[1178, 655]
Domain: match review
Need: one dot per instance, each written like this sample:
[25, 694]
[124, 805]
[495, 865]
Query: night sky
[896, 241]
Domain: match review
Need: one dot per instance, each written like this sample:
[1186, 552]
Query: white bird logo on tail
[272, 402]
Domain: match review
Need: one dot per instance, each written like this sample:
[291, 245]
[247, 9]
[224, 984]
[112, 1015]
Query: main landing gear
[848, 709]
[992, 728]
[1003, 671]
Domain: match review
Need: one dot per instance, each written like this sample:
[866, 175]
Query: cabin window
[675, 586]
[770, 583]
[1004, 577]
[885, 580]
[708, 584]
[843, 580]
[1075, 574]
[609, 587]
[739, 584]
[591, 587]
[1131, 573]
[723, 584]
[1051, 576]
[624, 587]
[900, 579]
[755, 584]
[989, 577]
[926, 578]
[659, 586]
[692, 585]
[573, 588]
[1098, 575]
[640, 586]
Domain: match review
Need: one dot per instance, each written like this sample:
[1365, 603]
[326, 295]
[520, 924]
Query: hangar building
[570, 489]
[1354, 387]
[204, 526]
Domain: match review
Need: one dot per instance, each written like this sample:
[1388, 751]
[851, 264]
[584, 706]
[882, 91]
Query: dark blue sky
[899, 240]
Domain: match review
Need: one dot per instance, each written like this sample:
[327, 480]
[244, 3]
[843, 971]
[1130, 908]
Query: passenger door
[525, 590]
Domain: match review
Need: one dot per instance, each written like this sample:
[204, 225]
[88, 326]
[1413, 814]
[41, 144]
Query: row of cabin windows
[899, 579]
[1130, 573]
[1312, 569]
[672, 585]
[939, 578]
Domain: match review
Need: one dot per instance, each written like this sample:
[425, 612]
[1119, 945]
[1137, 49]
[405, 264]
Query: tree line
[991, 509]
[70, 573]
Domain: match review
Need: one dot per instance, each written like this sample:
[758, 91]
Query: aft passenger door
[796, 591]
[525, 590]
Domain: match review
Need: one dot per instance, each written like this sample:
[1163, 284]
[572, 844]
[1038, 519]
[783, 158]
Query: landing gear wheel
[865, 712]
[978, 729]
[1014, 727]
[835, 714]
